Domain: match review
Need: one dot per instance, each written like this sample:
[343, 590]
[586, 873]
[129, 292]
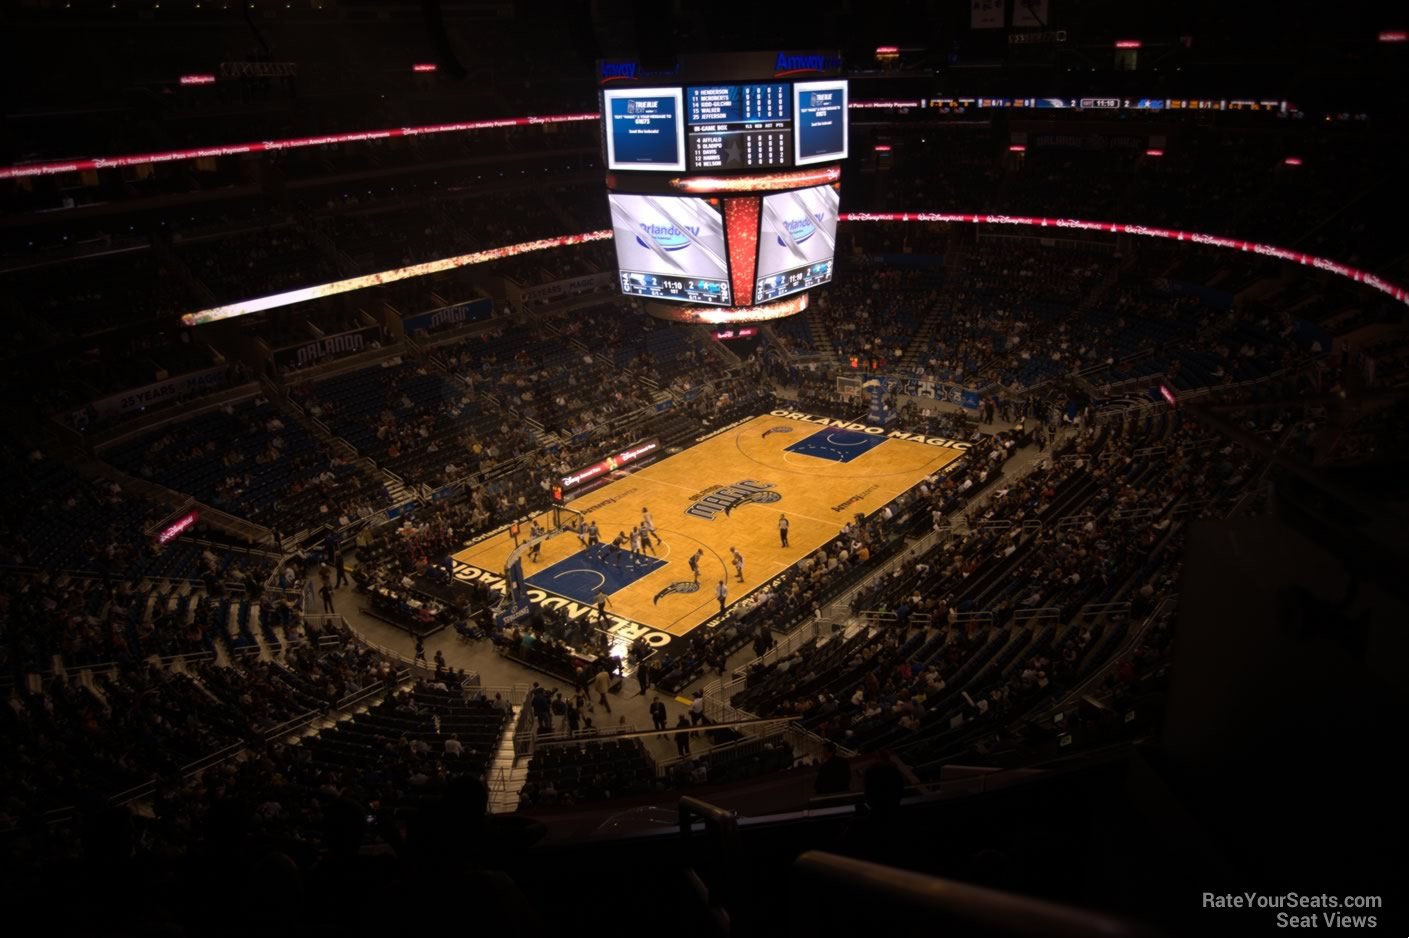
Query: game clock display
[686, 290]
[784, 284]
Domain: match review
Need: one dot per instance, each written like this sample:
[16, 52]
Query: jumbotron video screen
[671, 248]
[723, 180]
[797, 241]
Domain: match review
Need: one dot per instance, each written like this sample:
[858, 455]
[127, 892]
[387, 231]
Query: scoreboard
[723, 180]
[725, 127]
[738, 126]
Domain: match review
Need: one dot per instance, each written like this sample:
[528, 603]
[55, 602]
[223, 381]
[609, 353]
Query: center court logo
[670, 237]
[772, 430]
[728, 497]
[679, 586]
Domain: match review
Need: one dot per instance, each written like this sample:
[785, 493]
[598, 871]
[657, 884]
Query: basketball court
[727, 491]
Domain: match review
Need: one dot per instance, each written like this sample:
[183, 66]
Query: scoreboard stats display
[731, 126]
[645, 128]
[797, 241]
[671, 248]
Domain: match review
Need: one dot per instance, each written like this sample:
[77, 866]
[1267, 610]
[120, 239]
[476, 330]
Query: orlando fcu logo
[800, 229]
[670, 237]
[679, 586]
[725, 498]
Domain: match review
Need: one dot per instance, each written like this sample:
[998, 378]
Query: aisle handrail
[817, 873]
[721, 827]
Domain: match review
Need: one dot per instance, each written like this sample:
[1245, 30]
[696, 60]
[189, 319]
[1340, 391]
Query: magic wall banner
[572, 286]
[344, 343]
[450, 316]
[137, 399]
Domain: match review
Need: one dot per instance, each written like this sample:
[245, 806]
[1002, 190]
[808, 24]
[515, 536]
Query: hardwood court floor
[811, 469]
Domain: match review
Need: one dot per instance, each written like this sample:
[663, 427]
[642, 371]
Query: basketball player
[783, 529]
[593, 535]
[534, 532]
[617, 549]
[722, 593]
[646, 545]
[602, 603]
[738, 563]
[636, 540]
[695, 563]
[648, 525]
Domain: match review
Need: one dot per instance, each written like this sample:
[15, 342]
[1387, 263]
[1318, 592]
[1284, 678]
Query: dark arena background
[703, 468]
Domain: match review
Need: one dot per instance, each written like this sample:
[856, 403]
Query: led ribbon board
[244, 307]
[303, 295]
[1236, 244]
[610, 464]
[177, 527]
[57, 167]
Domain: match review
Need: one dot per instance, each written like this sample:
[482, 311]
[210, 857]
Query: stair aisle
[505, 777]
